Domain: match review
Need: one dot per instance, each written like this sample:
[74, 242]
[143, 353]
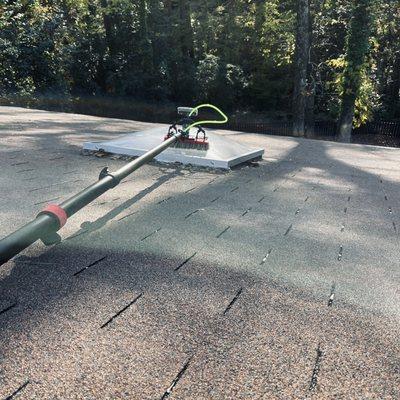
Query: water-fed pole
[54, 217]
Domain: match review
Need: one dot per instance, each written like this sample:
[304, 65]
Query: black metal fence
[378, 132]
[381, 133]
[271, 128]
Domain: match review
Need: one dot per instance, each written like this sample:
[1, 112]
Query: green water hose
[221, 121]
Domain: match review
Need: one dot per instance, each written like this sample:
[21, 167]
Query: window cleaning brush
[198, 141]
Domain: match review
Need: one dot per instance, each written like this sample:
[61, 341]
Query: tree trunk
[300, 65]
[108, 28]
[346, 118]
[180, 38]
[357, 48]
[309, 119]
[309, 111]
[186, 31]
[146, 51]
[394, 88]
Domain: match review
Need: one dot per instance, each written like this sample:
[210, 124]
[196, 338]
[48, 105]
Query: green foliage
[30, 48]
[367, 99]
[277, 32]
[222, 83]
[207, 76]
[236, 53]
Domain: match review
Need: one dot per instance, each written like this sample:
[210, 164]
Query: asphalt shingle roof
[276, 280]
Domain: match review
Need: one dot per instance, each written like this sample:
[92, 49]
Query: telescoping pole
[54, 217]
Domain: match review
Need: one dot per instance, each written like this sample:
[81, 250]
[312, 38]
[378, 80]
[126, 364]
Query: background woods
[295, 60]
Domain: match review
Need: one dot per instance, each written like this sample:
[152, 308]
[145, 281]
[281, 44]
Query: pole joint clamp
[105, 172]
[56, 211]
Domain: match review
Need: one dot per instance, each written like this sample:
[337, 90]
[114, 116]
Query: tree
[180, 57]
[356, 49]
[301, 67]
[394, 88]
[240, 54]
[388, 57]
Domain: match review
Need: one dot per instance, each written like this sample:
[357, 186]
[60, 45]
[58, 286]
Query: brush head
[186, 140]
[192, 143]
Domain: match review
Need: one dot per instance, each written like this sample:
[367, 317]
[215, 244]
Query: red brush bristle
[185, 142]
[190, 143]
